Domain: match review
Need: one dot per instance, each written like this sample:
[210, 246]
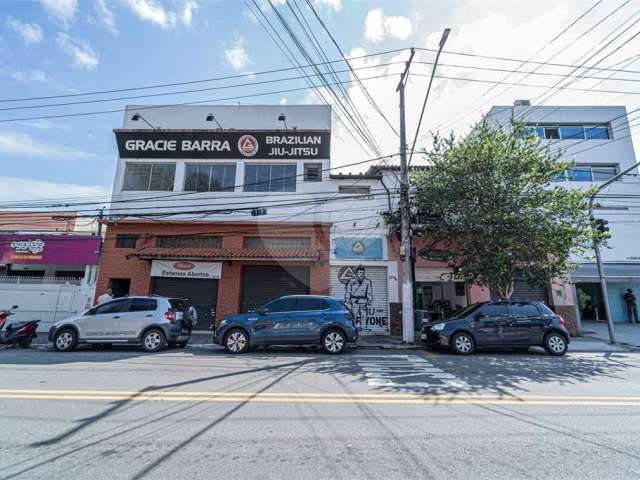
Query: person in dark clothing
[632, 306]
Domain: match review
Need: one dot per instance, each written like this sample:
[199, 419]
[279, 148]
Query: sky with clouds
[66, 47]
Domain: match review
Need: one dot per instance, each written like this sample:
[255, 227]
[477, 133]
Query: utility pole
[100, 218]
[596, 248]
[405, 215]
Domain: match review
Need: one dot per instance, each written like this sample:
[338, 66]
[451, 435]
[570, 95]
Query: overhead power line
[191, 82]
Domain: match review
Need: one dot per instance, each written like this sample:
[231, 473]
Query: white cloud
[29, 76]
[237, 56]
[16, 188]
[61, 11]
[105, 15]
[374, 25]
[187, 12]
[154, 12]
[30, 32]
[20, 144]
[82, 54]
[398, 27]
[335, 4]
[378, 26]
[283, 101]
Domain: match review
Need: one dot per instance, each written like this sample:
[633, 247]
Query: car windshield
[465, 311]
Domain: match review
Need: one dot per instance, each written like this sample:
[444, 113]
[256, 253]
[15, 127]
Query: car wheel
[65, 340]
[25, 343]
[463, 344]
[333, 341]
[236, 341]
[555, 344]
[153, 340]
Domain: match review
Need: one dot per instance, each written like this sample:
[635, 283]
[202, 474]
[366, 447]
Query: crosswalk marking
[410, 371]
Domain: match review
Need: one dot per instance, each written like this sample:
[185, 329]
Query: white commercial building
[598, 139]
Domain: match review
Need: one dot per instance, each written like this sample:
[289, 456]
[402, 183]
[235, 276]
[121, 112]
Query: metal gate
[263, 283]
[201, 293]
[523, 291]
[365, 293]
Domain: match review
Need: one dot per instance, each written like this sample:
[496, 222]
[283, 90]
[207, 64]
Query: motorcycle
[21, 333]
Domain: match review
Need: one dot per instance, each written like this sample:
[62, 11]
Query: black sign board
[224, 144]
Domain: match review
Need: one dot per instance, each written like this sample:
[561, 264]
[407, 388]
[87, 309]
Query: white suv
[152, 322]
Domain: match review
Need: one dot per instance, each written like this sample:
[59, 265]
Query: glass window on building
[597, 133]
[270, 178]
[580, 174]
[588, 173]
[208, 177]
[126, 241]
[149, 176]
[572, 132]
[312, 172]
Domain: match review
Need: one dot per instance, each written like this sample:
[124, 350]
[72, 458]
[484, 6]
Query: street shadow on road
[502, 373]
[280, 371]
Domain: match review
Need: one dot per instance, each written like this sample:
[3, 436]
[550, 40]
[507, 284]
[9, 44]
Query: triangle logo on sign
[358, 247]
[248, 145]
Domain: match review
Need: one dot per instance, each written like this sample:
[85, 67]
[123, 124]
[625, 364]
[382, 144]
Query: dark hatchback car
[290, 320]
[510, 324]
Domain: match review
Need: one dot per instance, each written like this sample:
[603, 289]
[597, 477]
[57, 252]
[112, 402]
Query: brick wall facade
[116, 263]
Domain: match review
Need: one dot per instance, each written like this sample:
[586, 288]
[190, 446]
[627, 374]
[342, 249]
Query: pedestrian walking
[105, 297]
[632, 306]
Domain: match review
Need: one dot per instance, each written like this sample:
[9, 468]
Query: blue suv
[290, 320]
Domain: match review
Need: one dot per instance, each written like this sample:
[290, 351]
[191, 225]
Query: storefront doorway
[439, 299]
[202, 294]
[263, 283]
[364, 290]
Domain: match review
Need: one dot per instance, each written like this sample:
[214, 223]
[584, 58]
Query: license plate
[179, 315]
[423, 336]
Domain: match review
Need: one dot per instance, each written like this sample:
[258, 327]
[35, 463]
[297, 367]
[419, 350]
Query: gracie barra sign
[224, 144]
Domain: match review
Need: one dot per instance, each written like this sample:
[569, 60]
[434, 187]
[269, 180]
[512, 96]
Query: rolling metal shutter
[202, 294]
[261, 284]
[377, 321]
[523, 291]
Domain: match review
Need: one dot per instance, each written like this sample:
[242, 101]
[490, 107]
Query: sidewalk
[627, 334]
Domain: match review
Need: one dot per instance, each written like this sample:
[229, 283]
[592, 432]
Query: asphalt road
[292, 414]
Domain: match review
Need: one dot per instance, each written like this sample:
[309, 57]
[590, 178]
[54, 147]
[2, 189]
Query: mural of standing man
[359, 295]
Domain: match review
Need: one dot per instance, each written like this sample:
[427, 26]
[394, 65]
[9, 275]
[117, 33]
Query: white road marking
[405, 371]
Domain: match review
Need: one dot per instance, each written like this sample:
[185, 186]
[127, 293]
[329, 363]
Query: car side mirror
[480, 316]
[91, 311]
[262, 310]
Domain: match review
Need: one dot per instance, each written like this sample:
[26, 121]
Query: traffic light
[601, 225]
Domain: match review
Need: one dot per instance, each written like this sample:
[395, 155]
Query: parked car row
[155, 322]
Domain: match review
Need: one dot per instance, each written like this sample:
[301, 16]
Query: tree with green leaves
[492, 198]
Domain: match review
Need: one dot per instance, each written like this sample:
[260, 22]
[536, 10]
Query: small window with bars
[312, 172]
[355, 189]
[277, 243]
[126, 241]
[188, 241]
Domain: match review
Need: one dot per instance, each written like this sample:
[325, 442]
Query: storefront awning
[588, 272]
[226, 254]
